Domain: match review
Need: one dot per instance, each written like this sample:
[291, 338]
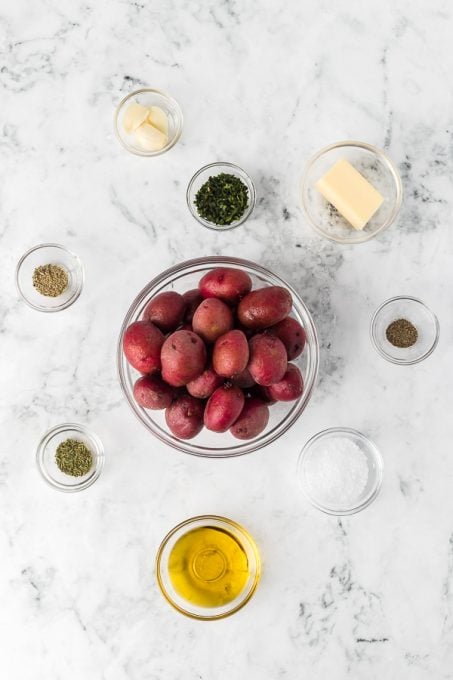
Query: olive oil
[208, 567]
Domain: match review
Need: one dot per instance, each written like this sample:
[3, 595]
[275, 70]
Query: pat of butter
[350, 193]
[158, 119]
[150, 138]
[134, 116]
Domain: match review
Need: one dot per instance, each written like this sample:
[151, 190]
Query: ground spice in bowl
[401, 333]
[50, 280]
[223, 199]
[74, 458]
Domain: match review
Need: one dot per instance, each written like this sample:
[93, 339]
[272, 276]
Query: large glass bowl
[186, 276]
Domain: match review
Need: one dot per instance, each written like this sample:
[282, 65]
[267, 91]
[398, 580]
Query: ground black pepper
[401, 333]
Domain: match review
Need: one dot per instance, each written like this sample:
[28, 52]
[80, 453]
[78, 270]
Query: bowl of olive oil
[208, 567]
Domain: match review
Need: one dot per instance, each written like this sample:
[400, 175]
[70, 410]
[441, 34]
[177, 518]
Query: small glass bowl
[49, 253]
[375, 469]
[188, 608]
[45, 457]
[415, 311]
[376, 167]
[149, 97]
[203, 175]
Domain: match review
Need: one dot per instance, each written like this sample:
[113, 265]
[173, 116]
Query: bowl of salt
[340, 471]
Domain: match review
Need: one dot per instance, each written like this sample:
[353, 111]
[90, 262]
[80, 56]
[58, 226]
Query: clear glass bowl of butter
[148, 122]
[351, 191]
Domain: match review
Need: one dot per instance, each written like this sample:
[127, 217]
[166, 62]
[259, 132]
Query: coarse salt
[336, 472]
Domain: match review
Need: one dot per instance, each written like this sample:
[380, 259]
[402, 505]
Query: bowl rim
[245, 446]
[99, 451]
[77, 290]
[187, 523]
[393, 171]
[250, 186]
[401, 361]
[371, 446]
[170, 144]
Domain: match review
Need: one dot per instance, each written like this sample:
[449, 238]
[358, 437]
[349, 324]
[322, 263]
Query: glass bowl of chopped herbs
[404, 330]
[221, 196]
[49, 277]
[70, 457]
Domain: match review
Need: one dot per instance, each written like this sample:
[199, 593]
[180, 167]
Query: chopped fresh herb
[223, 199]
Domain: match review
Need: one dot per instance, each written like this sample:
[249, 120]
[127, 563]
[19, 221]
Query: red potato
[212, 319]
[223, 408]
[142, 342]
[253, 419]
[231, 354]
[290, 387]
[152, 392]
[291, 333]
[165, 310]
[192, 298]
[225, 283]
[243, 379]
[184, 417]
[268, 360]
[203, 386]
[183, 358]
[262, 393]
[264, 307]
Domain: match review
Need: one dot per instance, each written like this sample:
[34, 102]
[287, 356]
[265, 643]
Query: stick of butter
[350, 193]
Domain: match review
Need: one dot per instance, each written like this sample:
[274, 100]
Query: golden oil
[208, 567]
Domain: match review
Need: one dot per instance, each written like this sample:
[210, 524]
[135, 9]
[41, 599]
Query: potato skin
[225, 283]
[253, 419]
[223, 408]
[291, 333]
[152, 392]
[231, 354]
[184, 417]
[264, 307]
[192, 298]
[268, 360]
[290, 387]
[142, 342]
[243, 379]
[212, 319]
[204, 385]
[165, 310]
[183, 358]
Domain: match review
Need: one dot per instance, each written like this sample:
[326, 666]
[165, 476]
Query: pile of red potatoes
[217, 356]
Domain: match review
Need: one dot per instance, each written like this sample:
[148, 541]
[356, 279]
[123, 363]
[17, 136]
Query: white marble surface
[263, 85]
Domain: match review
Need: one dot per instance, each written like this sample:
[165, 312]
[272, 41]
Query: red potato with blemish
[184, 417]
[192, 298]
[293, 336]
[264, 307]
[268, 359]
[253, 419]
[151, 392]
[289, 388]
[205, 384]
[212, 319]
[223, 408]
[165, 310]
[142, 343]
[183, 358]
[231, 354]
[225, 283]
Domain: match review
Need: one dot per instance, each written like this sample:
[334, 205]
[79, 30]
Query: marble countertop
[263, 85]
